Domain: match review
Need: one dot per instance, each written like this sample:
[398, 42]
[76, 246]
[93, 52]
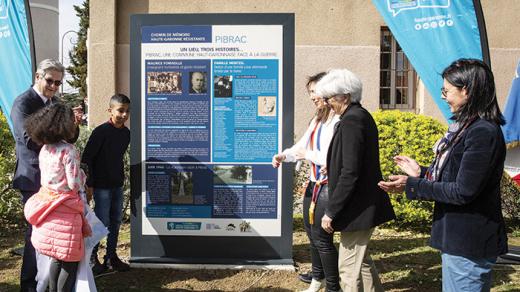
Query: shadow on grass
[404, 261]
[188, 280]
[409, 264]
[405, 264]
[157, 279]
[5, 287]
[9, 240]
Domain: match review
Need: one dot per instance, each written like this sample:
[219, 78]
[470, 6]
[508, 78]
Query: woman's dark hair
[323, 112]
[477, 79]
[51, 124]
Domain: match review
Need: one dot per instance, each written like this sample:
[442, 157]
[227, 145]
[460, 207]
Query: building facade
[329, 34]
[45, 24]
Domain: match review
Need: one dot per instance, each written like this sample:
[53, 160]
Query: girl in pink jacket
[57, 211]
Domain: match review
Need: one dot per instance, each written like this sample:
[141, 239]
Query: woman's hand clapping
[397, 183]
[408, 165]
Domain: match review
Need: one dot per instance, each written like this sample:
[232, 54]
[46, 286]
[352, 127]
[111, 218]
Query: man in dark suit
[48, 79]
[356, 204]
[198, 82]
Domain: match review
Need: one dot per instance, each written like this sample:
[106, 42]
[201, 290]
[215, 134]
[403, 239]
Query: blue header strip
[15, 57]
[176, 34]
[433, 34]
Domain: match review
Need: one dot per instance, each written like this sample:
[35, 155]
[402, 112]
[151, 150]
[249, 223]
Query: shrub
[510, 200]
[11, 210]
[403, 133]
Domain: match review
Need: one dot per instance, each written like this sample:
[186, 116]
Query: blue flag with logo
[512, 113]
[433, 34]
[16, 66]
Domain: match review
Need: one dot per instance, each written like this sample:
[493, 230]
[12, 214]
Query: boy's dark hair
[119, 98]
[51, 124]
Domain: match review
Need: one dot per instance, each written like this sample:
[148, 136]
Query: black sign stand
[217, 250]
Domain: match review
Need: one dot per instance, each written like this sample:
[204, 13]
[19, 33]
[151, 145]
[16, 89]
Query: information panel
[211, 114]
[216, 103]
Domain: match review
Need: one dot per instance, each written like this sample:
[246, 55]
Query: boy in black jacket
[103, 155]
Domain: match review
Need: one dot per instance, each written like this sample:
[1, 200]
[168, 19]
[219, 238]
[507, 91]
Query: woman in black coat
[356, 204]
[463, 180]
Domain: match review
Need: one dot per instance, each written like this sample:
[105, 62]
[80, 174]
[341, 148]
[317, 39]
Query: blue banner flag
[434, 33]
[512, 113]
[16, 59]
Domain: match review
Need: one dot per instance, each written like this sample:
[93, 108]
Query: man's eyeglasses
[56, 83]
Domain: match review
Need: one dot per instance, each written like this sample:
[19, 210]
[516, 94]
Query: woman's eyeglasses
[444, 91]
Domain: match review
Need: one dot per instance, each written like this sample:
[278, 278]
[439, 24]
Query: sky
[68, 21]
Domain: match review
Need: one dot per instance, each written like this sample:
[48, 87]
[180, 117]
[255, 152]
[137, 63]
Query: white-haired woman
[356, 204]
[313, 147]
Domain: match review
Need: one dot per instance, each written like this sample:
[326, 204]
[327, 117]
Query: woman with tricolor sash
[313, 147]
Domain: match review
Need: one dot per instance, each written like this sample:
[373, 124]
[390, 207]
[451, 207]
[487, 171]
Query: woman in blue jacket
[463, 180]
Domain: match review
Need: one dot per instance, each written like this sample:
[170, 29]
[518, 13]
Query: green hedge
[11, 211]
[404, 133]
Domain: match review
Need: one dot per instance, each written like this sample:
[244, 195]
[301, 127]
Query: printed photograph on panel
[181, 186]
[267, 106]
[232, 174]
[198, 82]
[223, 86]
[164, 82]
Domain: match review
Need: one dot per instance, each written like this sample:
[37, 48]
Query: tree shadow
[5, 287]
[9, 241]
[409, 264]
[183, 280]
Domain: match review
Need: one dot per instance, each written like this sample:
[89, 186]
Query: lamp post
[63, 53]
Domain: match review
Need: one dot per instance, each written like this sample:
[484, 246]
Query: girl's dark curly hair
[51, 124]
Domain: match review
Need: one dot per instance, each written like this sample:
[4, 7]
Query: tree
[78, 54]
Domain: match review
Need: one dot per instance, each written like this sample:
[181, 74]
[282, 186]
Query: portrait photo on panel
[223, 86]
[198, 82]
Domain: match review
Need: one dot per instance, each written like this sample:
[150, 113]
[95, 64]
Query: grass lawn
[404, 261]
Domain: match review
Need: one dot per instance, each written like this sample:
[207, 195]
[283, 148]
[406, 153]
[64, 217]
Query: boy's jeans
[109, 209]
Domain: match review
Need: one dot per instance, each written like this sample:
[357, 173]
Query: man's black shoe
[116, 264]
[305, 277]
[97, 267]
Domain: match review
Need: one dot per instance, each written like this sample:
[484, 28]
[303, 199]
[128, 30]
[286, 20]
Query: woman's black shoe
[305, 277]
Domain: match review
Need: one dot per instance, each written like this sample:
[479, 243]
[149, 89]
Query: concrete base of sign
[287, 267]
